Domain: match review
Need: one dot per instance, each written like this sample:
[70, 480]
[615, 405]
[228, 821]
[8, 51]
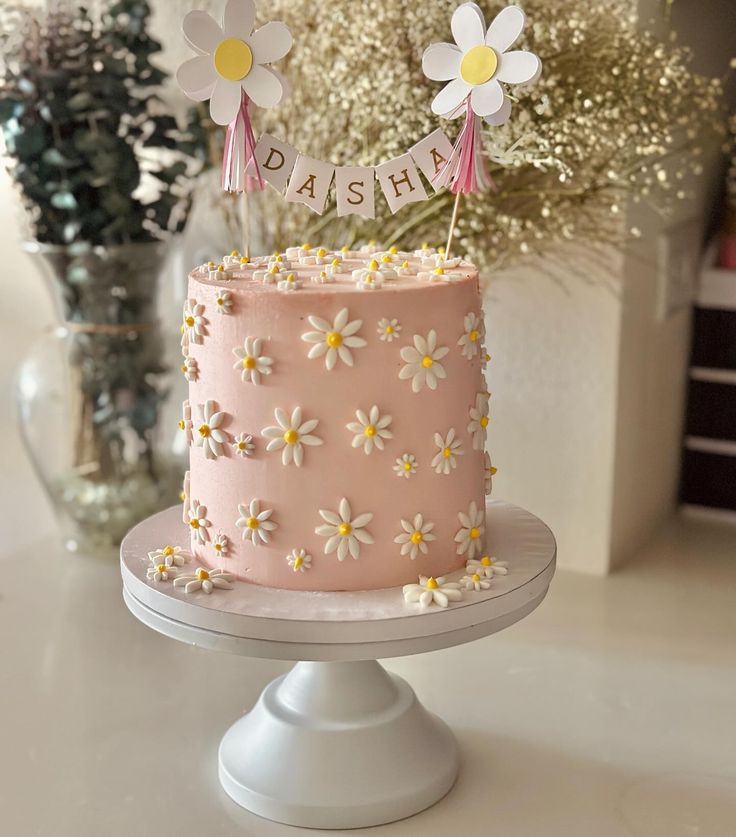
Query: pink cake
[337, 417]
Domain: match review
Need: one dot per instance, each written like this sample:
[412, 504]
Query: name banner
[308, 180]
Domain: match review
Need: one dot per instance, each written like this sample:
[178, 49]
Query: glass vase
[94, 394]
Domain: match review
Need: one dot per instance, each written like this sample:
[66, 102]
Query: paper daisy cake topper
[232, 68]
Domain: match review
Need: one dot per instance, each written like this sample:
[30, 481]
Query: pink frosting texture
[222, 481]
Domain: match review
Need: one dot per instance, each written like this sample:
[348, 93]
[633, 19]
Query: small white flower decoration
[172, 556]
[224, 302]
[476, 582]
[438, 260]
[370, 430]
[473, 336]
[194, 322]
[478, 62]
[290, 434]
[256, 524]
[406, 269]
[299, 560]
[450, 447]
[190, 369]
[469, 536]
[210, 435]
[324, 277]
[406, 466]
[344, 533]
[439, 274]
[250, 362]
[291, 282]
[184, 497]
[417, 533]
[243, 445]
[487, 566]
[198, 522]
[389, 330]
[334, 340]
[490, 472]
[425, 251]
[221, 545]
[375, 272]
[371, 280]
[431, 591]
[422, 362]
[205, 580]
[479, 420]
[185, 422]
[161, 572]
[231, 60]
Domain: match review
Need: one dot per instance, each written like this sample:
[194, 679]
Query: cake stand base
[338, 745]
[338, 742]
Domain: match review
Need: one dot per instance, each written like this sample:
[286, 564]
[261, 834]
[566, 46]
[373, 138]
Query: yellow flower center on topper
[345, 529]
[334, 339]
[233, 59]
[291, 437]
[479, 65]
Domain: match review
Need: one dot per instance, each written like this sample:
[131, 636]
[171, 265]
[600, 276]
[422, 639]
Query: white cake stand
[338, 742]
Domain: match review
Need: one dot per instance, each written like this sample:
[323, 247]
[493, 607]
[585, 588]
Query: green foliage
[95, 154]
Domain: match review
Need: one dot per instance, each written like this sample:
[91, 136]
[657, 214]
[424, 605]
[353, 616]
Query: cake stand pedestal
[338, 742]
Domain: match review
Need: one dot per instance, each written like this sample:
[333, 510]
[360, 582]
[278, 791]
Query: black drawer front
[711, 410]
[708, 479]
[714, 338]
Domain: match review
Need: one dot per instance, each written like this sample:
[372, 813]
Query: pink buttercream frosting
[223, 481]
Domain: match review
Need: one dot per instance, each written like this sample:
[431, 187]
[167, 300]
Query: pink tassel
[240, 146]
[466, 170]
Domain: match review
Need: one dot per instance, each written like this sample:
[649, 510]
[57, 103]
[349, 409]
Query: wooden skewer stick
[453, 224]
[245, 219]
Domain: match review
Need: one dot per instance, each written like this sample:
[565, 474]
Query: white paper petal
[441, 62]
[196, 77]
[201, 32]
[502, 116]
[263, 87]
[238, 18]
[271, 42]
[225, 101]
[450, 97]
[487, 98]
[505, 28]
[285, 84]
[468, 26]
[518, 67]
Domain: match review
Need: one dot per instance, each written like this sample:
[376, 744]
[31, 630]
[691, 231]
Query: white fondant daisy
[291, 282]
[172, 556]
[299, 560]
[185, 422]
[438, 260]
[205, 580]
[334, 340]
[375, 271]
[198, 522]
[161, 572]
[406, 269]
[431, 591]
[476, 582]
[487, 566]
[469, 537]
[439, 274]
[389, 330]
[269, 275]
[479, 420]
[323, 278]
[320, 256]
[478, 63]
[406, 465]
[334, 267]
[424, 251]
[344, 533]
[371, 280]
[210, 436]
[289, 434]
[489, 472]
[450, 447]
[473, 335]
[190, 369]
[417, 533]
[256, 524]
[221, 545]
[243, 445]
[370, 430]
[219, 273]
[231, 60]
[195, 324]
[184, 497]
[223, 302]
[299, 252]
[485, 358]
[422, 362]
[250, 362]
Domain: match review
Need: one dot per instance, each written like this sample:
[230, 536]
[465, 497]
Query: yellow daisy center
[389, 329]
[473, 336]
[393, 250]
[345, 529]
[407, 466]
[182, 496]
[475, 577]
[386, 259]
[184, 368]
[202, 575]
[334, 339]
[234, 254]
[194, 523]
[218, 547]
[370, 430]
[252, 522]
[204, 431]
[233, 59]
[291, 278]
[161, 568]
[336, 262]
[431, 584]
[244, 260]
[189, 321]
[182, 423]
[416, 537]
[298, 561]
[249, 362]
[167, 550]
[478, 65]
[483, 421]
[322, 252]
[447, 452]
[220, 300]
[486, 561]
[291, 437]
[373, 265]
[427, 361]
[475, 533]
[242, 446]
[440, 271]
[306, 247]
[405, 264]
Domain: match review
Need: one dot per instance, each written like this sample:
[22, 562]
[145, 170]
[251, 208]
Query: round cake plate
[338, 742]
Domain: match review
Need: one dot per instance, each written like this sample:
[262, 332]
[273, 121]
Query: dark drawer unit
[711, 410]
[708, 479]
[714, 338]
